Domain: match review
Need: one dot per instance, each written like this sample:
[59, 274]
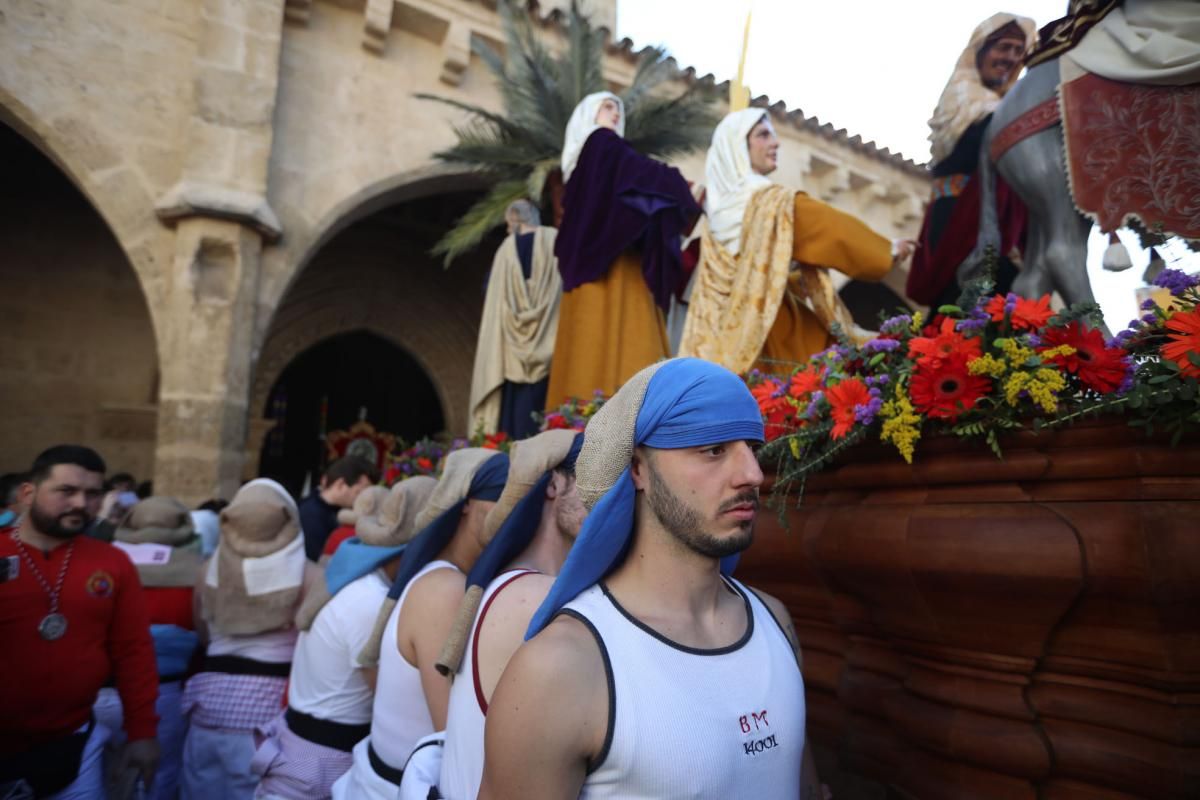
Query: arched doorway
[376, 275]
[78, 356]
[336, 382]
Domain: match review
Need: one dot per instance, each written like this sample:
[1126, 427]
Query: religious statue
[618, 252]
[517, 332]
[762, 293]
[986, 70]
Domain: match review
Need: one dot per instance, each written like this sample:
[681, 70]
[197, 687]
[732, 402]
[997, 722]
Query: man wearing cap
[329, 693]
[415, 619]
[529, 532]
[249, 593]
[649, 671]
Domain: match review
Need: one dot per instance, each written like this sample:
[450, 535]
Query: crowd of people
[555, 621]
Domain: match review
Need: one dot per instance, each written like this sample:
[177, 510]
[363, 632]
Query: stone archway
[347, 377]
[78, 355]
[376, 275]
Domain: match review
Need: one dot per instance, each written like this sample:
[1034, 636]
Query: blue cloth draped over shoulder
[486, 484]
[689, 402]
[353, 559]
[616, 199]
[519, 528]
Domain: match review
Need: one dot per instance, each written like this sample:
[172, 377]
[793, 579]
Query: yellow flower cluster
[918, 320]
[987, 365]
[1041, 384]
[901, 424]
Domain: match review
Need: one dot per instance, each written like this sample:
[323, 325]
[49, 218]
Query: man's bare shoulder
[521, 596]
[438, 586]
[564, 657]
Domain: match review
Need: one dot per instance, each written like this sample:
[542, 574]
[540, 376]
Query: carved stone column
[222, 218]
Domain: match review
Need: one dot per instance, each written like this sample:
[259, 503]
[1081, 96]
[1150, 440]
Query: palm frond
[471, 227]
[519, 148]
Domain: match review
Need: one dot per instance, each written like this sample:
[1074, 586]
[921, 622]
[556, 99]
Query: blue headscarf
[518, 529]
[688, 402]
[486, 484]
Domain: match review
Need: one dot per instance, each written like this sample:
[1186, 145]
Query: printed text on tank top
[483, 703]
[752, 731]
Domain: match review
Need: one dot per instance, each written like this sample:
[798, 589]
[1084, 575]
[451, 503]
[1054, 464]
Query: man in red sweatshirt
[71, 617]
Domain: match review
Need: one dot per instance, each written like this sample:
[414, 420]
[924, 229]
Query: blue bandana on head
[688, 402]
[353, 559]
[486, 484]
[518, 529]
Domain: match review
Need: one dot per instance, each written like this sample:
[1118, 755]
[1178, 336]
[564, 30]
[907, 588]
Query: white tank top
[688, 723]
[462, 757]
[400, 715]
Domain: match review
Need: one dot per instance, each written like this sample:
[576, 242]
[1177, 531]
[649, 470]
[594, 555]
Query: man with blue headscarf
[649, 672]
[414, 621]
[530, 531]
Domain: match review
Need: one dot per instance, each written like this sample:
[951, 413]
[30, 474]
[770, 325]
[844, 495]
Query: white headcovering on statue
[730, 180]
[582, 124]
[965, 99]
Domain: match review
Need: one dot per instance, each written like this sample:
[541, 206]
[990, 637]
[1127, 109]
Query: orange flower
[804, 383]
[1100, 368]
[1027, 314]
[930, 351]
[843, 400]
[1184, 340]
[946, 389]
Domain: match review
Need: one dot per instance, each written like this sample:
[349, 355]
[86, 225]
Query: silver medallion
[52, 626]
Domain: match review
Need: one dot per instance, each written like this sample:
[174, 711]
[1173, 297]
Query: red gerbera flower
[425, 464]
[1027, 314]
[843, 399]
[774, 406]
[804, 383]
[929, 351]
[1099, 368]
[1184, 340]
[946, 388]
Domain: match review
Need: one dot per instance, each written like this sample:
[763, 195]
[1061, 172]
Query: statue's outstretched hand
[903, 249]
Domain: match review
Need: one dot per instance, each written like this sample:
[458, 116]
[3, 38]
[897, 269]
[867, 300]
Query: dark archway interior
[329, 386]
[78, 357]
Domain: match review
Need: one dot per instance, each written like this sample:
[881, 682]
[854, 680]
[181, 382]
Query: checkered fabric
[240, 702]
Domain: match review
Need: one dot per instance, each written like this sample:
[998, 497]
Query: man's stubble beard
[686, 524]
[52, 526]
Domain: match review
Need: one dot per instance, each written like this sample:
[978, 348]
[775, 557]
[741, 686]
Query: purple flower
[881, 345]
[1149, 305]
[1010, 304]
[1127, 382]
[864, 413]
[877, 380]
[971, 323]
[1150, 319]
[814, 410]
[895, 324]
[1034, 340]
[1176, 281]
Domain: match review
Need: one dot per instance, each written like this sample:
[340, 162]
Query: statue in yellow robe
[762, 292]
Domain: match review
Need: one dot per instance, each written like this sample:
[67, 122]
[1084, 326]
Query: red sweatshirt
[47, 688]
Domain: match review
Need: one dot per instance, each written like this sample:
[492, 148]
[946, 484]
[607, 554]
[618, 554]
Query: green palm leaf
[519, 148]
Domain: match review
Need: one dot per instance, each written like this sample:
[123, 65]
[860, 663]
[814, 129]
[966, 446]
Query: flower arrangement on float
[426, 455]
[992, 364]
[572, 414]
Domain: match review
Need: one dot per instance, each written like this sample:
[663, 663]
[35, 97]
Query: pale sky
[873, 67]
